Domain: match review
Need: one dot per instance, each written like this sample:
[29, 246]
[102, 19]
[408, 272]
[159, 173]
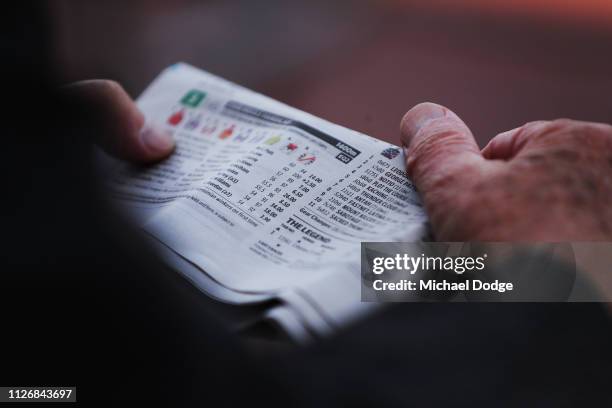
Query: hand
[120, 126]
[543, 181]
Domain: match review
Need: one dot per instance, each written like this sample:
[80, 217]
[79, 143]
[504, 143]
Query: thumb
[442, 158]
[119, 126]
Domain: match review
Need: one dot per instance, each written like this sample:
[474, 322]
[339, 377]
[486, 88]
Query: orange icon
[227, 132]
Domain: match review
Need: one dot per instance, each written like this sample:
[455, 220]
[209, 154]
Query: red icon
[176, 117]
[227, 132]
[306, 158]
[292, 146]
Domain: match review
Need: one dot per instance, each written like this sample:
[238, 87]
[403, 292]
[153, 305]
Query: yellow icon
[273, 140]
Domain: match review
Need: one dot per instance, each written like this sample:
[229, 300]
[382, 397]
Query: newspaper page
[263, 201]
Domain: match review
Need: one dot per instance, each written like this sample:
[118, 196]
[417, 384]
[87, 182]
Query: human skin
[543, 181]
[121, 129]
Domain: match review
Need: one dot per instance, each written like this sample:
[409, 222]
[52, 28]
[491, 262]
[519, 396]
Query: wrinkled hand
[120, 127]
[543, 181]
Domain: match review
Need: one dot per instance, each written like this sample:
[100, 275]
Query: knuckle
[556, 127]
[533, 126]
[534, 123]
[596, 134]
[545, 129]
[563, 123]
[567, 134]
[543, 132]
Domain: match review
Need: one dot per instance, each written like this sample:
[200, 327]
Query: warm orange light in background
[568, 10]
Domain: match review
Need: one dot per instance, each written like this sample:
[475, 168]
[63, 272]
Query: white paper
[265, 200]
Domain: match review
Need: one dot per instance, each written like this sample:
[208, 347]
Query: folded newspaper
[262, 201]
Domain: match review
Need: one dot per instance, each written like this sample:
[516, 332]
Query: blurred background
[362, 63]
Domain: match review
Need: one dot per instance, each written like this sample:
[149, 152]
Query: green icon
[193, 98]
[273, 140]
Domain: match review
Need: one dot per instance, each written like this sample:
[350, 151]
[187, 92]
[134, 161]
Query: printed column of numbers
[278, 193]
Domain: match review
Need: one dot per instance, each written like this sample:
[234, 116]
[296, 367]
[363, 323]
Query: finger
[442, 155]
[120, 127]
[508, 144]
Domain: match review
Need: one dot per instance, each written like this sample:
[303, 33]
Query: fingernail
[157, 140]
[406, 151]
[418, 117]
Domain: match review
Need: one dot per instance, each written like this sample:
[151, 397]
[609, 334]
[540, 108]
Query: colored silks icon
[193, 122]
[241, 137]
[176, 117]
[273, 140]
[227, 132]
[208, 129]
[306, 158]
